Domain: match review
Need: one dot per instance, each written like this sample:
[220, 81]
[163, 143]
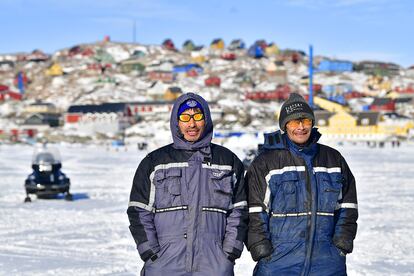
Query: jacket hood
[277, 140]
[178, 138]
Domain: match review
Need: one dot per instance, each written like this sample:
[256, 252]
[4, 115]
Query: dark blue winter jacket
[302, 208]
[188, 205]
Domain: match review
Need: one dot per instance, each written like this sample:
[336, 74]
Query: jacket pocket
[221, 188]
[168, 188]
[329, 192]
[286, 194]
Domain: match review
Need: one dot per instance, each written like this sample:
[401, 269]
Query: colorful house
[188, 45]
[272, 50]
[151, 108]
[104, 57]
[383, 104]
[185, 68]
[281, 93]
[378, 68]
[41, 107]
[217, 44]
[6, 65]
[237, 44]
[41, 121]
[54, 70]
[10, 95]
[132, 65]
[37, 56]
[169, 45]
[365, 126]
[172, 93]
[255, 51]
[213, 81]
[335, 66]
[107, 118]
[228, 56]
[164, 76]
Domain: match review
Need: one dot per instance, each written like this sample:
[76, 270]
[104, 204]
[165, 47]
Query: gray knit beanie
[295, 108]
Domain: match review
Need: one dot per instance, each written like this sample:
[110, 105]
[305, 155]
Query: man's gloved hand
[261, 250]
[268, 258]
[231, 257]
[341, 253]
[154, 257]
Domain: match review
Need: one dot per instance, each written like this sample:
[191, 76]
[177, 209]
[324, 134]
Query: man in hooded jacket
[188, 204]
[302, 200]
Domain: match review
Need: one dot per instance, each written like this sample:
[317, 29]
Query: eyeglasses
[187, 117]
[295, 123]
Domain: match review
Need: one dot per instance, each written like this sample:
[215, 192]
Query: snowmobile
[47, 180]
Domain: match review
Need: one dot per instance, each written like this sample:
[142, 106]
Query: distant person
[302, 200]
[188, 203]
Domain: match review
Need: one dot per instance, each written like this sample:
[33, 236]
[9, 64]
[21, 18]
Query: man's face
[299, 130]
[192, 130]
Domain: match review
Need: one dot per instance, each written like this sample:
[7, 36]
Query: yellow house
[272, 50]
[40, 107]
[198, 58]
[54, 70]
[172, 93]
[339, 123]
[329, 105]
[217, 44]
[396, 127]
[365, 125]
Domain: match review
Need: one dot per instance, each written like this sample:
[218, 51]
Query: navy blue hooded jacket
[302, 208]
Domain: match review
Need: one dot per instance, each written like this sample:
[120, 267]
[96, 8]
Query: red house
[228, 56]
[213, 81]
[169, 45]
[37, 56]
[353, 95]
[405, 90]
[164, 76]
[281, 93]
[383, 104]
[6, 94]
[192, 73]
[3, 88]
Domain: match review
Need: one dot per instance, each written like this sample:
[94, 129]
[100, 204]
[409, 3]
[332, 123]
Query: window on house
[321, 122]
[365, 121]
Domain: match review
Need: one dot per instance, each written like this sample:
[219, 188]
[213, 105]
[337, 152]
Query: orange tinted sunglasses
[295, 123]
[187, 117]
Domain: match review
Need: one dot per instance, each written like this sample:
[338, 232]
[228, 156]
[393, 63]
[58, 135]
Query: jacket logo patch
[218, 174]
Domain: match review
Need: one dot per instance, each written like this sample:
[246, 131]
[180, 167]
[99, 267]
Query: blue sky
[346, 29]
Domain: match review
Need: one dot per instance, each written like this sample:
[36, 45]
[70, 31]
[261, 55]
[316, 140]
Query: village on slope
[114, 91]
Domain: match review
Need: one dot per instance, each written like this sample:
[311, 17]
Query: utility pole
[311, 76]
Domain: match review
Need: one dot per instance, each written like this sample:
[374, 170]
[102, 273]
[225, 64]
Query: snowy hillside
[90, 235]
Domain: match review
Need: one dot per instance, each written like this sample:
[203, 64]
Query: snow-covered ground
[90, 235]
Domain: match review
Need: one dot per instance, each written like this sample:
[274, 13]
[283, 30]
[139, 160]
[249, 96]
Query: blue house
[255, 51]
[336, 66]
[184, 68]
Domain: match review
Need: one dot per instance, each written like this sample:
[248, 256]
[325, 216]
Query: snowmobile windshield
[46, 156]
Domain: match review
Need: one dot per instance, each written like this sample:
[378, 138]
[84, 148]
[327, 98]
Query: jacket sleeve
[237, 218]
[346, 213]
[140, 211]
[258, 237]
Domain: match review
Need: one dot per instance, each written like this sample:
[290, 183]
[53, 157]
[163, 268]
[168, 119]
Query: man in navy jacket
[302, 200]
